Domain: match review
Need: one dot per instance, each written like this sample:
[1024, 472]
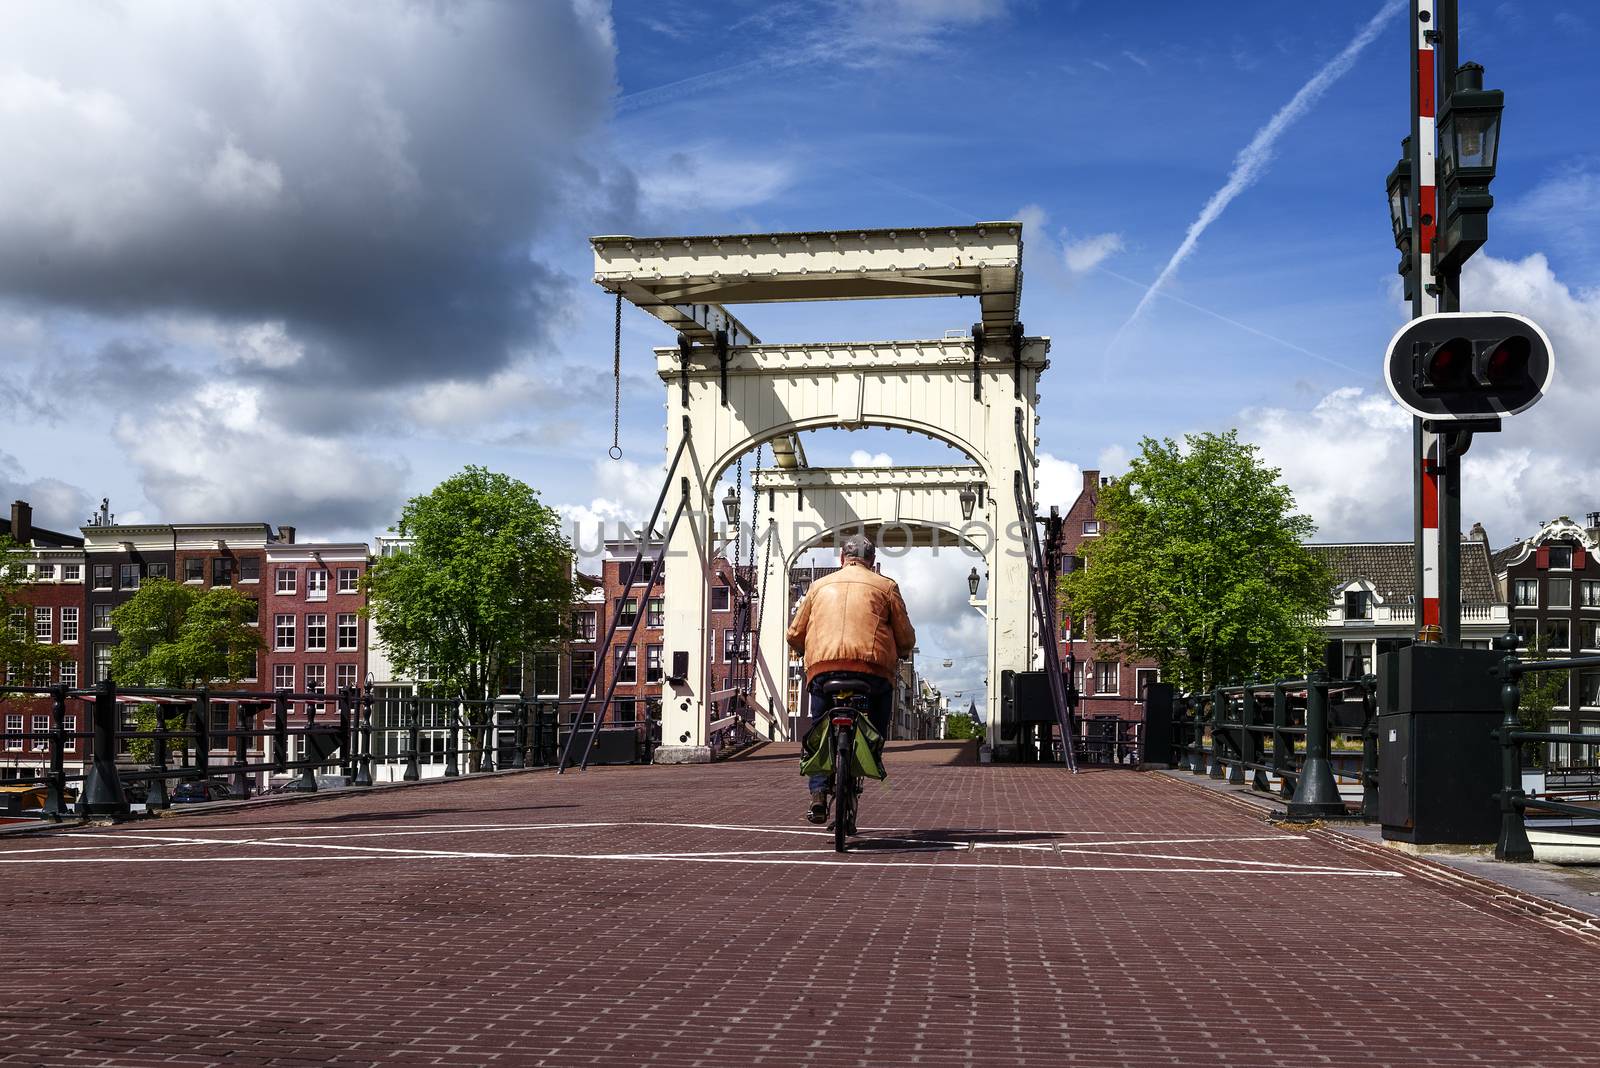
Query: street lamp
[1469, 144]
[730, 506]
[972, 582]
[969, 501]
[1399, 186]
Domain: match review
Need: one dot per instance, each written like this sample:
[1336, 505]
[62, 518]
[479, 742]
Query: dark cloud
[373, 177]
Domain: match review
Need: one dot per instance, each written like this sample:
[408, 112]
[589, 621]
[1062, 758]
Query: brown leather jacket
[852, 620]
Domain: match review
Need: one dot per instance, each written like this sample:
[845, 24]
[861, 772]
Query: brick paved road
[683, 916]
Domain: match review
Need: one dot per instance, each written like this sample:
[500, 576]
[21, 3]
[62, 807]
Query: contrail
[1252, 160]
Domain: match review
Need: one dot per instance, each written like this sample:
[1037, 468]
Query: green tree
[486, 581]
[26, 658]
[1541, 692]
[962, 725]
[178, 636]
[1200, 566]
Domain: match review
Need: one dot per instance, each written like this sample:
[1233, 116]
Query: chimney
[21, 522]
[1477, 533]
[286, 534]
[1091, 481]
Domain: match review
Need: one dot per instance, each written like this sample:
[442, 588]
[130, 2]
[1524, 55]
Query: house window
[638, 575]
[655, 612]
[69, 674]
[721, 597]
[347, 630]
[19, 623]
[1527, 632]
[622, 710]
[71, 572]
[102, 661]
[582, 670]
[1558, 750]
[130, 577]
[222, 571]
[1560, 591]
[41, 732]
[1557, 634]
[1525, 593]
[1091, 527]
[194, 570]
[13, 727]
[44, 572]
[652, 663]
[1590, 593]
[156, 571]
[69, 726]
[283, 677]
[283, 633]
[316, 632]
[1589, 688]
[584, 628]
[1143, 677]
[44, 625]
[1588, 633]
[1357, 659]
[249, 569]
[69, 625]
[1106, 676]
[102, 576]
[100, 616]
[316, 584]
[317, 679]
[627, 611]
[735, 646]
[41, 674]
[286, 582]
[349, 580]
[344, 676]
[1357, 604]
[627, 665]
[1561, 557]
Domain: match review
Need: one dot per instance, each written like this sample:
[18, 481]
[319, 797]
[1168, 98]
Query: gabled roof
[1390, 568]
[45, 539]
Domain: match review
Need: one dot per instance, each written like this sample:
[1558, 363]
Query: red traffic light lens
[1448, 365]
[1508, 363]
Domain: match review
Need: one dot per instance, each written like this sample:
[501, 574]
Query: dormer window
[1561, 557]
[1357, 604]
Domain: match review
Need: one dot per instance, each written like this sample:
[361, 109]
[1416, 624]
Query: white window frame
[316, 584]
[69, 622]
[67, 672]
[724, 593]
[277, 632]
[1553, 549]
[344, 675]
[316, 678]
[71, 572]
[1550, 589]
[1550, 625]
[13, 732]
[44, 624]
[44, 572]
[316, 620]
[588, 626]
[355, 580]
[289, 587]
[41, 725]
[1517, 586]
[339, 632]
[111, 577]
[69, 728]
[283, 677]
[1091, 528]
[1116, 677]
[1589, 593]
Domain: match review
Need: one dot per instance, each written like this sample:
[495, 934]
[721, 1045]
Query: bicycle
[848, 700]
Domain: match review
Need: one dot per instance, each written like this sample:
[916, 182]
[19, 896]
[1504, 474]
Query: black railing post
[243, 714]
[280, 733]
[413, 740]
[1513, 844]
[1253, 748]
[1197, 763]
[201, 710]
[156, 798]
[491, 736]
[102, 790]
[1218, 735]
[1316, 793]
[308, 773]
[1369, 749]
[1282, 745]
[452, 741]
[1236, 744]
[364, 763]
[347, 758]
[519, 720]
[55, 798]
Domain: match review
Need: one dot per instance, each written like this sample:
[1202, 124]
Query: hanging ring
[616, 452]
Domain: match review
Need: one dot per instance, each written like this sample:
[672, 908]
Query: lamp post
[730, 506]
[1399, 188]
[1469, 145]
[972, 582]
[969, 501]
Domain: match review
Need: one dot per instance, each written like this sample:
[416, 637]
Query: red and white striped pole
[1424, 301]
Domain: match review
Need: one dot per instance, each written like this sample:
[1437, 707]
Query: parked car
[195, 791]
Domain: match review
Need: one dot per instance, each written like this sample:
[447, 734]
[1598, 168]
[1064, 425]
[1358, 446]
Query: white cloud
[627, 492]
[1087, 253]
[1060, 482]
[863, 458]
[710, 177]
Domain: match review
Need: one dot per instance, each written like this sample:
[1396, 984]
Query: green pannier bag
[817, 749]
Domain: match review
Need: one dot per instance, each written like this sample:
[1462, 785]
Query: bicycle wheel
[844, 794]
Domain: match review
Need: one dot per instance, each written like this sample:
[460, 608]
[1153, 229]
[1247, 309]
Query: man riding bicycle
[851, 624]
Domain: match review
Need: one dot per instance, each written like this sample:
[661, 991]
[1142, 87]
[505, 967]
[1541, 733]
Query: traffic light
[1467, 365]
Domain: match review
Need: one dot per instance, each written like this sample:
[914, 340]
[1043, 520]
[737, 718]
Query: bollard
[102, 790]
[452, 742]
[1282, 741]
[519, 754]
[1369, 749]
[1316, 793]
[414, 740]
[364, 764]
[1513, 844]
[280, 733]
[1218, 735]
[55, 798]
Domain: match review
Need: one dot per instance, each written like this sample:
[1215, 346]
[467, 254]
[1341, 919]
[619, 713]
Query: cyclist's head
[858, 547]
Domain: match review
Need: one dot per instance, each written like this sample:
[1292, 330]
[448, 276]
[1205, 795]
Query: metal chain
[616, 379]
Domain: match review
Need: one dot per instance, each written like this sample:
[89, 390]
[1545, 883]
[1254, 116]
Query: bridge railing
[1256, 732]
[1515, 802]
[222, 734]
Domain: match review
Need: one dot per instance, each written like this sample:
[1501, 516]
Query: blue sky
[296, 262]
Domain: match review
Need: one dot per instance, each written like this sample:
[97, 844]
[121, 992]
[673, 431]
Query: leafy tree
[1541, 692]
[486, 580]
[1200, 566]
[178, 636]
[962, 725]
[24, 656]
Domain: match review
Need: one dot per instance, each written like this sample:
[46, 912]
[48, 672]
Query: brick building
[49, 603]
[312, 601]
[1552, 581]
